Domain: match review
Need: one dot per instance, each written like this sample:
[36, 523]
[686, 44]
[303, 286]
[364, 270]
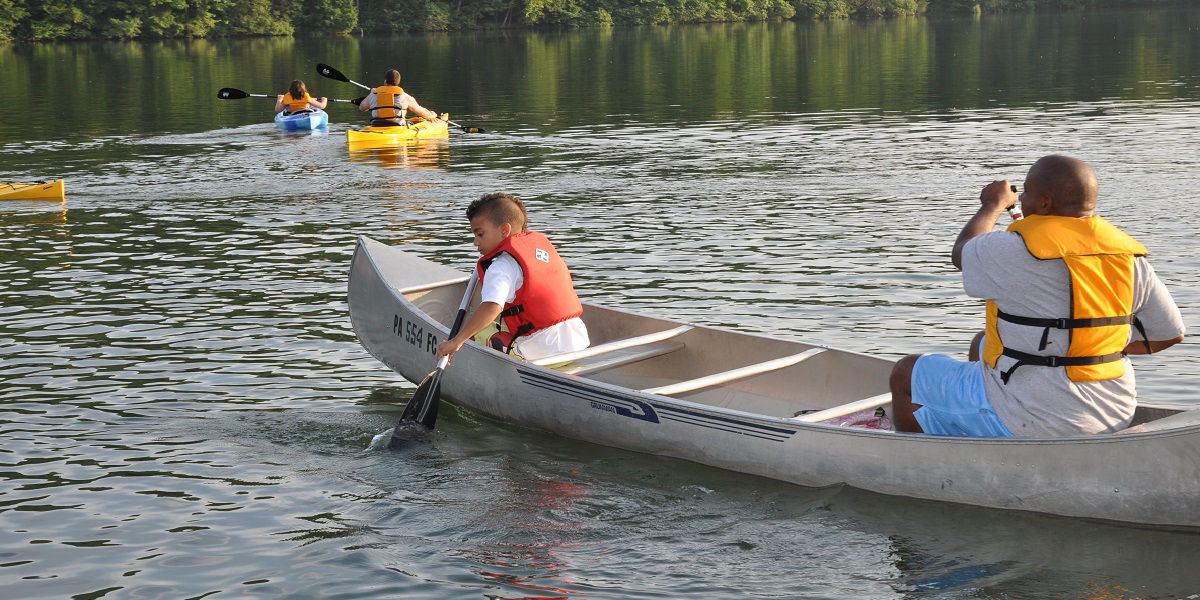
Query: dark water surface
[186, 413]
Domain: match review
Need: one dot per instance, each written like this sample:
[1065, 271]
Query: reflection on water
[186, 411]
[417, 154]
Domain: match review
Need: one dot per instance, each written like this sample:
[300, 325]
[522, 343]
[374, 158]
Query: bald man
[1068, 297]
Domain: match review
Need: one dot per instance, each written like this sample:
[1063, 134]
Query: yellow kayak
[44, 190]
[417, 128]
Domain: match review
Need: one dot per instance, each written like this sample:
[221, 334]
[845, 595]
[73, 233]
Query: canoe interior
[826, 380]
[830, 378]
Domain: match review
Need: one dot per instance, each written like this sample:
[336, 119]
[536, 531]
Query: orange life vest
[1099, 258]
[292, 105]
[387, 102]
[547, 296]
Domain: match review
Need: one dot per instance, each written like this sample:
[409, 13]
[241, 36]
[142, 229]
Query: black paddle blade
[231, 94]
[473, 129]
[325, 70]
[423, 407]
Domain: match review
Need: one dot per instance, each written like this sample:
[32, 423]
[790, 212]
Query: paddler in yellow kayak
[389, 102]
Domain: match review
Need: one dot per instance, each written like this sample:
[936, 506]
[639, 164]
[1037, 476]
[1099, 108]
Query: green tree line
[34, 20]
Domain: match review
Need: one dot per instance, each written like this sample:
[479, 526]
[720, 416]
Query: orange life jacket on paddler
[547, 296]
[387, 102]
[1099, 258]
[292, 105]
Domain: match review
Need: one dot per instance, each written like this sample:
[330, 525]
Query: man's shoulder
[998, 237]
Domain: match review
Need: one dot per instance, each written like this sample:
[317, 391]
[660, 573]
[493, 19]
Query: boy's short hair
[500, 208]
[391, 77]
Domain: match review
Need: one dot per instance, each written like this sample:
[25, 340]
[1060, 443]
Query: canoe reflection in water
[424, 154]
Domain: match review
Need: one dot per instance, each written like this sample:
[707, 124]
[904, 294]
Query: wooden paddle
[236, 94]
[423, 407]
[325, 70]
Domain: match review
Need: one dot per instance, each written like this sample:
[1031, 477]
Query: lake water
[186, 412]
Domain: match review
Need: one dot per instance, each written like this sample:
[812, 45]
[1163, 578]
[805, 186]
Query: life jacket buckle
[1052, 361]
[1062, 324]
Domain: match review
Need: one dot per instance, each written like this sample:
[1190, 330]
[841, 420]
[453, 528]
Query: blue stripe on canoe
[603, 399]
[650, 411]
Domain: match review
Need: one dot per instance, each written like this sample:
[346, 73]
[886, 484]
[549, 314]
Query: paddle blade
[423, 407]
[473, 129]
[231, 94]
[325, 70]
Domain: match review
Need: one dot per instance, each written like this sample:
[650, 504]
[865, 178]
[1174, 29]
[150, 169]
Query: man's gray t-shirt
[1040, 401]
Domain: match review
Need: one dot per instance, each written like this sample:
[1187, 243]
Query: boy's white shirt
[500, 284]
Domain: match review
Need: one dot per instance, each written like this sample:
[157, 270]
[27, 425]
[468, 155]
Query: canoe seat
[708, 381]
[844, 409]
[615, 353]
[1184, 418]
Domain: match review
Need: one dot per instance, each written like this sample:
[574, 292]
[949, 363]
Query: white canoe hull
[400, 306]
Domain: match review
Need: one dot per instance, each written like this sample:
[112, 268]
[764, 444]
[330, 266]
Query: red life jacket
[547, 296]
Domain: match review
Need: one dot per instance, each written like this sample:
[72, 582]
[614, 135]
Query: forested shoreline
[42, 20]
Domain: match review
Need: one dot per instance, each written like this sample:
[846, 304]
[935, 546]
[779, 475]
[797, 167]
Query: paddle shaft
[425, 399]
[464, 128]
[236, 94]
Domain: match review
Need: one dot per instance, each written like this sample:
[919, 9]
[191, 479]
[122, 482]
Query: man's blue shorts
[952, 398]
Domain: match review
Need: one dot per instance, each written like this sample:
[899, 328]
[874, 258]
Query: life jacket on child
[291, 105]
[547, 296]
[1099, 258]
[387, 103]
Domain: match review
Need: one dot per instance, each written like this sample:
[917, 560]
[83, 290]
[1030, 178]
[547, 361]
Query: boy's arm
[483, 316]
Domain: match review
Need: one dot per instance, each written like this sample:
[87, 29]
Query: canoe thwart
[844, 409]
[612, 346]
[618, 358]
[433, 285]
[708, 381]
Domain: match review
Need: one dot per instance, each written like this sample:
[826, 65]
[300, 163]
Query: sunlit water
[186, 412]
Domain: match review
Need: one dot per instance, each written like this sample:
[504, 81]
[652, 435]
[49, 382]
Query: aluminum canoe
[761, 405]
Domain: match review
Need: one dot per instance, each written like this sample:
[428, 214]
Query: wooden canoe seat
[615, 353]
[708, 381]
[845, 409]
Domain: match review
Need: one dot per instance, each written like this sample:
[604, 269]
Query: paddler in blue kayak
[297, 100]
[389, 102]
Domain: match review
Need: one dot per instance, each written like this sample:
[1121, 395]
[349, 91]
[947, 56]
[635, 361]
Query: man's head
[494, 218]
[392, 77]
[1060, 185]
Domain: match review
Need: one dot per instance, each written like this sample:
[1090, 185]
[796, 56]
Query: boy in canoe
[1068, 297]
[523, 282]
[389, 102]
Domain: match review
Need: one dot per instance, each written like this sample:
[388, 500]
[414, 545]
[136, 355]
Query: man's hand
[998, 196]
[993, 200]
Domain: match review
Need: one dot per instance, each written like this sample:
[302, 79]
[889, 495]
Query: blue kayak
[302, 120]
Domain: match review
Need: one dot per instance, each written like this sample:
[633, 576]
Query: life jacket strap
[1049, 324]
[1024, 358]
